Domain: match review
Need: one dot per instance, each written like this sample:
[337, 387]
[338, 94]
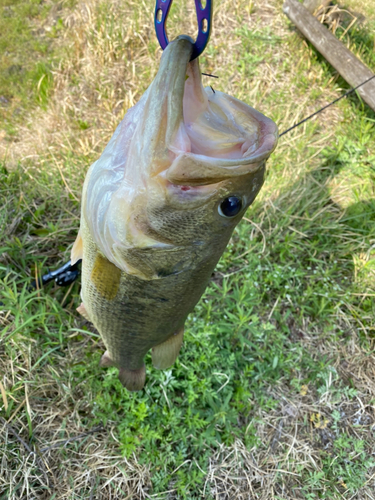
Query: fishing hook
[204, 19]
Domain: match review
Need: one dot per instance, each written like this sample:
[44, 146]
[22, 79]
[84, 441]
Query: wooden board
[334, 51]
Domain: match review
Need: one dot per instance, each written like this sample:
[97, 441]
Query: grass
[28, 31]
[273, 393]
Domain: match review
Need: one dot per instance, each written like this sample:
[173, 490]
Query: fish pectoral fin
[164, 355]
[153, 262]
[106, 277]
[77, 250]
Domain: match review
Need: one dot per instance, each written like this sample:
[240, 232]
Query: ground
[273, 395]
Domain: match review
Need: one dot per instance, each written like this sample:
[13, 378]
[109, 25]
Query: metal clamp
[204, 19]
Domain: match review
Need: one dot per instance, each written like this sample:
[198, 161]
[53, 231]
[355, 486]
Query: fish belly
[132, 314]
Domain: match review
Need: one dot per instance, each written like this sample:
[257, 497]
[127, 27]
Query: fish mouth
[209, 135]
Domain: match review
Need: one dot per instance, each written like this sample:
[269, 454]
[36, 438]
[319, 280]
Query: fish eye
[230, 207]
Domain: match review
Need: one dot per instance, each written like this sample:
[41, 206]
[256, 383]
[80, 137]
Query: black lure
[64, 276]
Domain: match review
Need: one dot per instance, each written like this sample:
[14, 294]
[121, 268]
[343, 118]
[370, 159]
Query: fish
[159, 207]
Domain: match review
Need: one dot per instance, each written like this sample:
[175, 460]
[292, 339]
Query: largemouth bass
[159, 207]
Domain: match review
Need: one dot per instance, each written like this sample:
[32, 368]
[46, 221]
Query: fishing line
[319, 110]
[327, 106]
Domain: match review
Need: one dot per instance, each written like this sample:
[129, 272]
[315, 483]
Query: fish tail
[133, 380]
[164, 355]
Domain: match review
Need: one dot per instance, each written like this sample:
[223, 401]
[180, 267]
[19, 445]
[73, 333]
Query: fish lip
[269, 136]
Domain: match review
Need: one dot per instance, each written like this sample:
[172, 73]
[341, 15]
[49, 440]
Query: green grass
[274, 384]
[27, 35]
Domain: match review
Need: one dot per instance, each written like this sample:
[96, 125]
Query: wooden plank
[334, 51]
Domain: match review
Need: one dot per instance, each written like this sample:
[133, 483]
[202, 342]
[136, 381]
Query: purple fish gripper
[204, 19]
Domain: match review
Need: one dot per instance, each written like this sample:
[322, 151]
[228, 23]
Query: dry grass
[75, 464]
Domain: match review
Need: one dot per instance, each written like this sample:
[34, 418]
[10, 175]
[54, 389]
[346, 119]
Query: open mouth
[214, 126]
[210, 136]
